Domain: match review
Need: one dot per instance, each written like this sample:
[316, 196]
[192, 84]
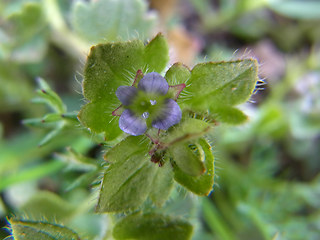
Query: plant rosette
[158, 118]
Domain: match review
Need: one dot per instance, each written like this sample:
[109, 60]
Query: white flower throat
[145, 115]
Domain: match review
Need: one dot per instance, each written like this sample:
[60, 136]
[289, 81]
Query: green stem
[214, 221]
[261, 225]
[61, 34]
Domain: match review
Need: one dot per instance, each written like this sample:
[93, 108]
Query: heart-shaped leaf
[217, 86]
[112, 65]
[222, 83]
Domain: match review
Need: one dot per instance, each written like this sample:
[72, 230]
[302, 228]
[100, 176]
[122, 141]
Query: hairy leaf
[188, 129]
[201, 185]
[217, 86]
[25, 230]
[126, 148]
[156, 54]
[127, 183]
[47, 205]
[152, 227]
[222, 83]
[177, 74]
[110, 66]
[162, 185]
[227, 114]
[189, 161]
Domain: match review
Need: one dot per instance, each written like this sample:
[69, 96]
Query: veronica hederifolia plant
[160, 121]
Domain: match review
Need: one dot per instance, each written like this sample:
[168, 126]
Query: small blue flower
[148, 105]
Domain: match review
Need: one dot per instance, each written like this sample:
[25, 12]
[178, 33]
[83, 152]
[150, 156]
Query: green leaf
[27, 22]
[188, 129]
[71, 117]
[126, 186]
[110, 66]
[227, 114]
[47, 205]
[77, 161]
[162, 185]
[27, 230]
[221, 83]
[152, 227]
[187, 159]
[52, 117]
[34, 122]
[85, 180]
[53, 100]
[26, 29]
[125, 19]
[217, 87]
[156, 54]
[296, 9]
[201, 185]
[98, 118]
[51, 135]
[127, 147]
[128, 180]
[177, 74]
[114, 64]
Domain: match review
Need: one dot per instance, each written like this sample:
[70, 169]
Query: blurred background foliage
[267, 183]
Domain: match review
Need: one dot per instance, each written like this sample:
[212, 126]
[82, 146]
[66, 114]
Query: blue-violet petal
[131, 123]
[126, 94]
[154, 82]
[169, 116]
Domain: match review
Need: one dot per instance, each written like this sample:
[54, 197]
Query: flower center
[147, 105]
